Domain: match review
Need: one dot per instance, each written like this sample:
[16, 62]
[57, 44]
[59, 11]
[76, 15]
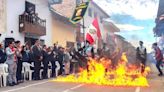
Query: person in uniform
[141, 55]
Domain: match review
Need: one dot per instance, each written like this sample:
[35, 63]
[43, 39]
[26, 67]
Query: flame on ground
[101, 73]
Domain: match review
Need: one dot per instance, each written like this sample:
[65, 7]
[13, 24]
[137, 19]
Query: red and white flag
[93, 32]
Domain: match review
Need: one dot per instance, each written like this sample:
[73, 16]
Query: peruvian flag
[93, 32]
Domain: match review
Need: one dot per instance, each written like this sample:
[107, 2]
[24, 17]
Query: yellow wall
[62, 32]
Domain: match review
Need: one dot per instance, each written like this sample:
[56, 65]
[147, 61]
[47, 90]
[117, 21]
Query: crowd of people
[69, 59]
[15, 54]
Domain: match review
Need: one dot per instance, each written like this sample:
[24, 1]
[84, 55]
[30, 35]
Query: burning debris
[101, 72]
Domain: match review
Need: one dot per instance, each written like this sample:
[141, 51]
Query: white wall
[16, 8]
[44, 13]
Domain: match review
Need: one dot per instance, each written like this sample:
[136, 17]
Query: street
[156, 85]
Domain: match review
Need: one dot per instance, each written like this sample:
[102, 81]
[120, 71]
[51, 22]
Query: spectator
[67, 59]
[12, 63]
[45, 61]
[2, 54]
[37, 54]
[55, 48]
[25, 16]
[60, 59]
[19, 61]
[74, 61]
[159, 58]
[25, 54]
[37, 18]
[31, 55]
[53, 59]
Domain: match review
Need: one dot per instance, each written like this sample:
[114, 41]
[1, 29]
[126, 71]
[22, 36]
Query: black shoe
[19, 82]
[10, 84]
[45, 77]
[37, 79]
[160, 74]
[15, 83]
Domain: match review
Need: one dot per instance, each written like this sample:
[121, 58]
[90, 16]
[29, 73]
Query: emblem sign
[79, 12]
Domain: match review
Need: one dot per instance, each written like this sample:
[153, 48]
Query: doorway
[31, 41]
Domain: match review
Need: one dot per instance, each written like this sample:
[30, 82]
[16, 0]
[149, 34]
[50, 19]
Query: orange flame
[101, 73]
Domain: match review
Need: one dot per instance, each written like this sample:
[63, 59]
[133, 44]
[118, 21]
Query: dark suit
[2, 56]
[53, 59]
[37, 54]
[46, 59]
[25, 56]
[60, 59]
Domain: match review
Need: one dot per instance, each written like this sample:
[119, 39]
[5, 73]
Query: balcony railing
[32, 25]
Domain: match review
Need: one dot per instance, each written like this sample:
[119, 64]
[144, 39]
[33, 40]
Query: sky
[135, 18]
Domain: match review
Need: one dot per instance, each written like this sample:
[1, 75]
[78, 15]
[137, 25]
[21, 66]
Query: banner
[79, 12]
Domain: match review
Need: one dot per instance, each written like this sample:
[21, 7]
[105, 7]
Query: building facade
[2, 16]
[15, 8]
[53, 26]
[65, 8]
[63, 31]
[109, 34]
[159, 28]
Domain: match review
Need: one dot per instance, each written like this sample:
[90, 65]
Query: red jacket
[158, 54]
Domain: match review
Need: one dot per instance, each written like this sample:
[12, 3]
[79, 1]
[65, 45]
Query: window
[70, 44]
[95, 14]
[90, 12]
[101, 19]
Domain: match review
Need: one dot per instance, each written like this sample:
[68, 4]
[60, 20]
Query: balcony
[32, 25]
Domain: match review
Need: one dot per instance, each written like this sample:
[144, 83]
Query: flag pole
[83, 27]
[84, 30]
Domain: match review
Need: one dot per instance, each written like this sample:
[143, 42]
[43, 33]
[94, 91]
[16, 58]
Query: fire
[101, 73]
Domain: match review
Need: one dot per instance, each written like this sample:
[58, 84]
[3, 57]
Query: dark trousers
[158, 64]
[71, 67]
[45, 69]
[53, 68]
[37, 67]
[19, 70]
[143, 64]
[74, 66]
[61, 67]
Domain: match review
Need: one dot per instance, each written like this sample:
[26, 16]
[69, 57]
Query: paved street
[156, 85]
